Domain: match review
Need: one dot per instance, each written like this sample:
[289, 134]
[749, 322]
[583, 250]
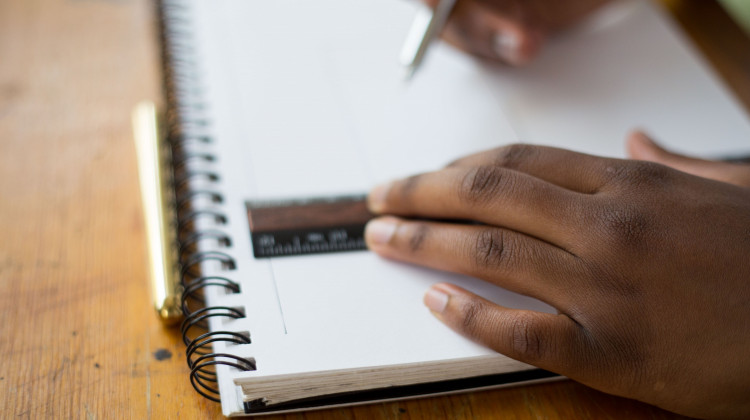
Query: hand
[648, 267]
[510, 30]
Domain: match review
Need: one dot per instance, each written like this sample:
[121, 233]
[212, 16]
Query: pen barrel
[157, 198]
[427, 25]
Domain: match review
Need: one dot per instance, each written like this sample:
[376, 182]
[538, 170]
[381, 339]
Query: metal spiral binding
[186, 126]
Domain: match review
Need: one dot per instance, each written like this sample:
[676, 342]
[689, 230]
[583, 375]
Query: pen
[158, 215]
[427, 26]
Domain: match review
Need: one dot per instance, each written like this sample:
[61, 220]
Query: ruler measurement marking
[307, 226]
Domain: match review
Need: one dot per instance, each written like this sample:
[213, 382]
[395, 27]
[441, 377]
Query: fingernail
[376, 198]
[436, 300]
[507, 47]
[380, 231]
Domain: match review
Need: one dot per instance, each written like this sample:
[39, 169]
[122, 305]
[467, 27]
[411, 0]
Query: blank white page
[630, 68]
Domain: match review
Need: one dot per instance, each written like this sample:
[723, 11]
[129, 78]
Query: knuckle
[471, 312]
[417, 237]
[639, 175]
[491, 249]
[481, 184]
[526, 338]
[515, 155]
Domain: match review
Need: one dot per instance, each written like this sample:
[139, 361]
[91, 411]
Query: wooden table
[78, 337]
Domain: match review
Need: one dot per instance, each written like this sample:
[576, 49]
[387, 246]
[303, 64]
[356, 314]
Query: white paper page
[631, 68]
[325, 106]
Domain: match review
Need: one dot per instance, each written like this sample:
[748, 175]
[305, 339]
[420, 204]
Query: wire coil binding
[187, 136]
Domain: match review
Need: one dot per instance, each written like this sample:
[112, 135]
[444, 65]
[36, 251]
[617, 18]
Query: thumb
[640, 146]
[551, 342]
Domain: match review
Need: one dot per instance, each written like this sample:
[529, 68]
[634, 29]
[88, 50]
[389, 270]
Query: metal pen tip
[409, 73]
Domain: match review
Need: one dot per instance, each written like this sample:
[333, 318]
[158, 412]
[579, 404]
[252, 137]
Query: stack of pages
[299, 101]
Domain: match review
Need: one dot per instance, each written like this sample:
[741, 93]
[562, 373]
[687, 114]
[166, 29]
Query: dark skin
[647, 264]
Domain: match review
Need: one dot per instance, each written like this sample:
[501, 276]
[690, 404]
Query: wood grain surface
[78, 337]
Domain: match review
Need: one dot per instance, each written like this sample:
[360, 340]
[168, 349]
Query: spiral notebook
[282, 114]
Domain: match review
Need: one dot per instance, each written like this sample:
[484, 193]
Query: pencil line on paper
[278, 299]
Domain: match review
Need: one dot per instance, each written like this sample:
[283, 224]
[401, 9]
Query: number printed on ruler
[307, 226]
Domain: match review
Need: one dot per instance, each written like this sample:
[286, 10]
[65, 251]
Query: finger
[554, 16]
[574, 171]
[506, 258]
[479, 30]
[489, 194]
[552, 342]
[642, 147]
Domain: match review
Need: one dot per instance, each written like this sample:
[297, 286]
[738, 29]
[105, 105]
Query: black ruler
[307, 226]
